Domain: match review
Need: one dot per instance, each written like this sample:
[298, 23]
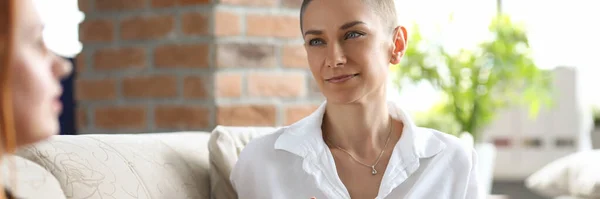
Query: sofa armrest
[167, 165]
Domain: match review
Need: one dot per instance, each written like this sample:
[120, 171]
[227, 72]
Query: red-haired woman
[30, 77]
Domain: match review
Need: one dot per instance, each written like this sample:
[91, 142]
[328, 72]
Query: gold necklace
[373, 170]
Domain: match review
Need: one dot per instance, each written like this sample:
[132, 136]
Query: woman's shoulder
[260, 149]
[258, 155]
[457, 148]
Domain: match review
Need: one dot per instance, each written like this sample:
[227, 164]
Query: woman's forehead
[28, 18]
[320, 14]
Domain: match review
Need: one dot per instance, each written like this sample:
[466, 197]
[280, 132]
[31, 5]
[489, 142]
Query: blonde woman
[358, 144]
[30, 77]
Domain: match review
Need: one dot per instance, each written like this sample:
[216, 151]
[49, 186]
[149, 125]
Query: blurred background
[520, 77]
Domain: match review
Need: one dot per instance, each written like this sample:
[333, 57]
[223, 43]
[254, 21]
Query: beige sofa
[137, 166]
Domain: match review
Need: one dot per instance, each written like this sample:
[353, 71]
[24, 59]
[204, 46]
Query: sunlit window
[560, 32]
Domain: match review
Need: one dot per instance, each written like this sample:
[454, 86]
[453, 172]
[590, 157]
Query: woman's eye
[315, 42]
[350, 35]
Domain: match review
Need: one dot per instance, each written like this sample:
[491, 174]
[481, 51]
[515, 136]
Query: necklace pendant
[373, 171]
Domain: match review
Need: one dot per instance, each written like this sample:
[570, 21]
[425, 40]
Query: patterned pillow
[224, 148]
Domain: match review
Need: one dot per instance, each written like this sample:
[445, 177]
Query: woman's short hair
[385, 10]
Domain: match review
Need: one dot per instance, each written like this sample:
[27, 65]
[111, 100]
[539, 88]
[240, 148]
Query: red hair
[7, 123]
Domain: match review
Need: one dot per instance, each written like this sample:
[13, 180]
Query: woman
[357, 144]
[29, 79]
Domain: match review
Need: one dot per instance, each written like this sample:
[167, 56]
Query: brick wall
[169, 65]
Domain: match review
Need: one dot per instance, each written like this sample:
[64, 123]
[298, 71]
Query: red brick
[246, 115]
[180, 55]
[80, 63]
[295, 113]
[193, 2]
[291, 3]
[99, 30]
[276, 84]
[157, 86]
[171, 3]
[112, 5]
[194, 87]
[228, 85]
[84, 5]
[120, 117]
[119, 58]
[181, 117]
[227, 24]
[163, 3]
[245, 55]
[147, 27]
[313, 89]
[195, 23]
[82, 119]
[265, 3]
[273, 26]
[294, 56]
[95, 89]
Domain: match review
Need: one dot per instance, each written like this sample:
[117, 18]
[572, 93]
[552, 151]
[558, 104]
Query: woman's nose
[335, 56]
[61, 67]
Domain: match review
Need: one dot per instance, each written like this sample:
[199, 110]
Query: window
[471, 18]
[560, 32]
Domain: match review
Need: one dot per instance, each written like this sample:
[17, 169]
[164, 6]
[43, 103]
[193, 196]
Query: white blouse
[295, 162]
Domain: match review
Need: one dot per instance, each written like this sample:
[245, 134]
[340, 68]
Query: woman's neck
[361, 127]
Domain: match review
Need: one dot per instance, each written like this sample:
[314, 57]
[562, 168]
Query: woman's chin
[33, 136]
[342, 98]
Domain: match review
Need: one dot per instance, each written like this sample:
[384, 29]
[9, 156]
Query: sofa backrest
[166, 165]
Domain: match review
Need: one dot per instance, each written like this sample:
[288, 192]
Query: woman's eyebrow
[342, 27]
[350, 24]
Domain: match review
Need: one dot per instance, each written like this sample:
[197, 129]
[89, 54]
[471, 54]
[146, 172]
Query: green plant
[477, 82]
[597, 117]
[437, 118]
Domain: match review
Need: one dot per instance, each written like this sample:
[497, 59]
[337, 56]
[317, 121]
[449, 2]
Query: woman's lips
[57, 105]
[341, 78]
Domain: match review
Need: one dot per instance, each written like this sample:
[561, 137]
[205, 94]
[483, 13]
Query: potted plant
[477, 83]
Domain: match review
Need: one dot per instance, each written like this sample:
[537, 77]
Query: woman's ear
[400, 39]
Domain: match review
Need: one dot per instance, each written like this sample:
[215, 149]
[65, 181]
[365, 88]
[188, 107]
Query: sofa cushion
[224, 147]
[31, 181]
[574, 175]
[169, 165]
